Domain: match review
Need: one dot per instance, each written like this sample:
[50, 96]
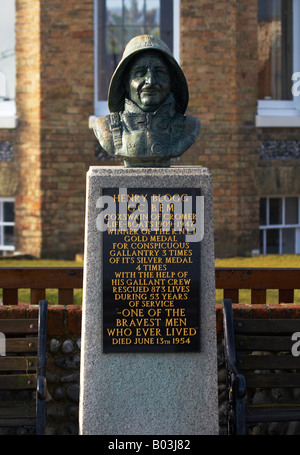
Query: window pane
[275, 210]
[275, 49]
[7, 50]
[118, 22]
[131, 31]
[114, 10]
[113, 37]
[273, 241]
[8, 212]
[155, 31]
[263, 211]
[113, 44]
[288, 241]
[134, 12]
[152, 13]
[291, 210]
[152, 17]
[8, 235]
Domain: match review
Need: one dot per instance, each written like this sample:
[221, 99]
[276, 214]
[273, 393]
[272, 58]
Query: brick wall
[66, 141]
[54, 146]
[275, 311]
[277, 174]
[62, 319]
[218, 54]
[28, 98]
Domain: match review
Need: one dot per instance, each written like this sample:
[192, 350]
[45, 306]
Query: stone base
[147, 393]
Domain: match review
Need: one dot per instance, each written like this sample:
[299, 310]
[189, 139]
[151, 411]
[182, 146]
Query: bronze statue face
[148, 81]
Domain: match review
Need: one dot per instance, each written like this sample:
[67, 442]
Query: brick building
[238, 58]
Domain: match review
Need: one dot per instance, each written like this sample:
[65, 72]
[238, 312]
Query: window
[7, 222]
[278, 60]
[7, 64]
[116, 22]
[280, 225]
[275, 49]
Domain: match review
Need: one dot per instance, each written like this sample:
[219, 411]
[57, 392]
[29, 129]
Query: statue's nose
[150, 77]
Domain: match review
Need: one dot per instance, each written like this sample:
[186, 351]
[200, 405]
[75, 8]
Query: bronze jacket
[146, 139]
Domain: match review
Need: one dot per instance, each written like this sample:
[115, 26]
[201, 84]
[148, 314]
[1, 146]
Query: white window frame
[281, 226]
[101, 107]
[5, 223]
[280, 113]
[8, 115]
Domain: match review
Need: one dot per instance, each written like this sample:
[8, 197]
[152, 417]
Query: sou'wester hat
[116, 91]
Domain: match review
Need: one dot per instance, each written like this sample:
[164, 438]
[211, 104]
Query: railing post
[37, 295]
[232, 294]
[258, 296]
[286, 296]
[65, 296]
[10, 296]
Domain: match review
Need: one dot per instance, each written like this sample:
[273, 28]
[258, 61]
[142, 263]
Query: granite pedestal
[147, 393]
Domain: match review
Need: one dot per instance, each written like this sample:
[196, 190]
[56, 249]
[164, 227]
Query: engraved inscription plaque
[151, 269]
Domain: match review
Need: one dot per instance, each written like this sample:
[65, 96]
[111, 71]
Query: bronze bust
[147, 99]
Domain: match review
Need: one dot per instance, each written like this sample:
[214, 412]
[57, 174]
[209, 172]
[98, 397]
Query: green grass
[283, 261]
[39, 263]
[268, 261]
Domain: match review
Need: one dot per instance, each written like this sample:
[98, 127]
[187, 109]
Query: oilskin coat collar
[168, 107]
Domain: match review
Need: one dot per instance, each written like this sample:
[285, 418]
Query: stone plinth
[147, 393]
